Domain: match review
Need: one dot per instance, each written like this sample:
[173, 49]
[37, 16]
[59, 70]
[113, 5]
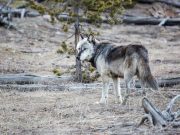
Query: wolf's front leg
[117, 90]
[104, 97]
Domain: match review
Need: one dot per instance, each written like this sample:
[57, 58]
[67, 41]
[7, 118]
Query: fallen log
[150, 20]
[5, 19]
[22, 79]
[5, 22]
[166, 82]
[32, 14]
[14, 12]
[175, 3]
[138, 20]
[35, 87]
[156, 117]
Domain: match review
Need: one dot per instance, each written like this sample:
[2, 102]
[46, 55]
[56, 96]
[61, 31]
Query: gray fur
[118, 61]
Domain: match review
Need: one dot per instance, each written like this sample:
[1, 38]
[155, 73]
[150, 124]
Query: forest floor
[33, 50]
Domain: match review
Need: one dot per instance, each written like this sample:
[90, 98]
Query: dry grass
[77, 112]
[74, 112]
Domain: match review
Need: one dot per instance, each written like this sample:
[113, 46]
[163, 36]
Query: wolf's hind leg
[143, 87]
[117, 90]
[127, 77]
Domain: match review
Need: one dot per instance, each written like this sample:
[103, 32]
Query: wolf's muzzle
[78, 56]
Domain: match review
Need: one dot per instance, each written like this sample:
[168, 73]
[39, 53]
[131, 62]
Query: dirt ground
[33, 50]
[76, 112]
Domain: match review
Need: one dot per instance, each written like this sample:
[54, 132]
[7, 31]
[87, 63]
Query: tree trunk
[78, 62]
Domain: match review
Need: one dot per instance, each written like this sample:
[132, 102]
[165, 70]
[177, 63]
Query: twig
[69, 37]
[163, 21]
[169, 107]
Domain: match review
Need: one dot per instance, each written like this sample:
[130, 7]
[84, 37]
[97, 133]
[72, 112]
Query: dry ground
[33, 50]
[75, 112]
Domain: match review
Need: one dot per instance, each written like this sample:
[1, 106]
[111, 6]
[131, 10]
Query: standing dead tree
[164, 118]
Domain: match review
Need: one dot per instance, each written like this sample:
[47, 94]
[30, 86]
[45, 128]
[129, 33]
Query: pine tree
[91, 9]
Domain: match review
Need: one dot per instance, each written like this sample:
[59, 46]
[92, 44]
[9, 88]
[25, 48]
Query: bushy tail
[145, 76]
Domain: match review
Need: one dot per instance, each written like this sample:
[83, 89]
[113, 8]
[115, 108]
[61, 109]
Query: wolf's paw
[103, 101]
[119, 98]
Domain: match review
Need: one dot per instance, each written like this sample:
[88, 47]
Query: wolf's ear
[91, 38]
[95, 41]
[82, 37]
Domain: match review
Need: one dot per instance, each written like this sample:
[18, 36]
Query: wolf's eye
[83, 49]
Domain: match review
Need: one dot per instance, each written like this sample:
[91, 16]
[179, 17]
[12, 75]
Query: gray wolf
[115, 62]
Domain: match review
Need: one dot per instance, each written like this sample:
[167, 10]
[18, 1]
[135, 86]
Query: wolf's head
[85, 49]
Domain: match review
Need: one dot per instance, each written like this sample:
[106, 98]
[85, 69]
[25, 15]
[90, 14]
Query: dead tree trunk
[156, 117]
[78, 63]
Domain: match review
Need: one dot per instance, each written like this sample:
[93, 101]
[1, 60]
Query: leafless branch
[164, 118]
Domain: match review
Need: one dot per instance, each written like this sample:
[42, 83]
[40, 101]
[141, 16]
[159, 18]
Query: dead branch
[164, 118]
[156, 115]
[144, 118]
[170, 105]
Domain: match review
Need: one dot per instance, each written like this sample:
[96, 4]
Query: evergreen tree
[90, 9]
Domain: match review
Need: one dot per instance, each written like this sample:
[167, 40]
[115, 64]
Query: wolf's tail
[144, 74]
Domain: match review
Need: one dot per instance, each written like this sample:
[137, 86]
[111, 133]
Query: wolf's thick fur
[117, 62]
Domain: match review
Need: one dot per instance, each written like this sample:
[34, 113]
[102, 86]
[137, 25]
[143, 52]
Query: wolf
[112, 61]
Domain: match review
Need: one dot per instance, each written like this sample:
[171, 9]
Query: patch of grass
[65, 49]
[85, 77]
[57, 72]
[19, 3]
[71, 51]
[89, 74]
[64, 46]
[60, 51]
[65, 28]
[91, 69]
